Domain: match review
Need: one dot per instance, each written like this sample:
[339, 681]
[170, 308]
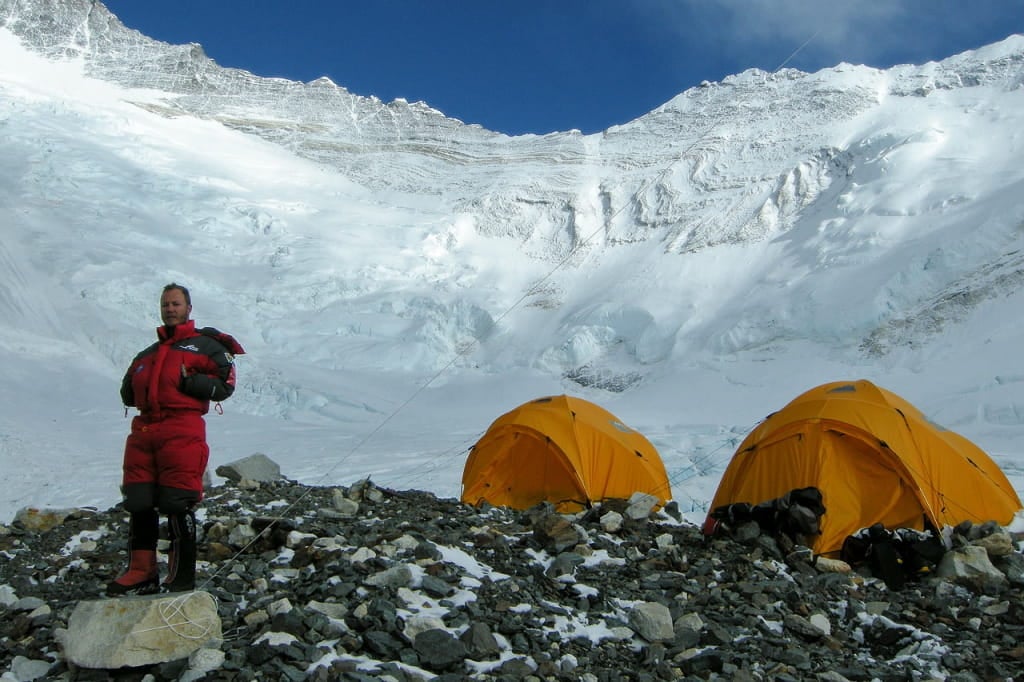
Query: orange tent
[564, 450]
[874, 457]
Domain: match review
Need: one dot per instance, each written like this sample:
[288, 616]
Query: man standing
[171, 383]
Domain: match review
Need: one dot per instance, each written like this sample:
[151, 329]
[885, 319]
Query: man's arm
[216, 386]
[127, 393]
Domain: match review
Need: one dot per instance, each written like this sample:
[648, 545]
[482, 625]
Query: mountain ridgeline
[864, 210]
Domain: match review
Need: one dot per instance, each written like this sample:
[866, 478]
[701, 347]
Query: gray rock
[640, 506]
[564, 564]
[365, 490]
[1011, 565]
[439, 650]
[970, 566]
[136, 631]
[27, 670]
[393, 577]
[480, 642]
[996, 544]
[802, 627]
[8, 597]
[27, 604]
[556, 533]
[42, 519]
[344, 506]
[418, 623]
[652, 621]
[611, 522]
[201, 662]
[256, 467]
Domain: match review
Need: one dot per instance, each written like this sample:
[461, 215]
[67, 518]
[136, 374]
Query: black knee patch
[176, 500]
[139, 497]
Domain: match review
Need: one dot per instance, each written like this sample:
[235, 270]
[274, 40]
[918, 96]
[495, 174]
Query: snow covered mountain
[400, 278]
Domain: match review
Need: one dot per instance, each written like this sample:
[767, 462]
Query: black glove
[196, 385]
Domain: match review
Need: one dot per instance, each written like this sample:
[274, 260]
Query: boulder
[136, 631]
[256, 467]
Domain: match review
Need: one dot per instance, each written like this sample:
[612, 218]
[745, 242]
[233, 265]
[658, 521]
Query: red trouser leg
[164, 462]
[138, 480]
[181, 460]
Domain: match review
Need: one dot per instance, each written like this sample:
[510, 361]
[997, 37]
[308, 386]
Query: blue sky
[535, 66]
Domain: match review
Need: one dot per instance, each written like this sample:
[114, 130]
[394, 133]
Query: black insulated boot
[141, 576]
[181, 558]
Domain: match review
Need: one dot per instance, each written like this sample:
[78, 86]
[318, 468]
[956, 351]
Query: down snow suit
[172, 383]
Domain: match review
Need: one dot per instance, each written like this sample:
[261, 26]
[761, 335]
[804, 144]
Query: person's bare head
[175, 305]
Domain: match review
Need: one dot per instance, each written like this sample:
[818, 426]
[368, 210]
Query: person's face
[173, 309]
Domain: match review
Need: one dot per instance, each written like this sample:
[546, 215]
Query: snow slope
[399, 279]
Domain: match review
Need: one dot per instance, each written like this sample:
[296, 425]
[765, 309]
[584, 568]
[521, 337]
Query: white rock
[201, 662]
[821, 621]
[641, 505]
[8, 597]
[421, 623]
[362, 554]
[827, 565]
[612, 522]
[28, 669]
[137, 631]
[279, 606]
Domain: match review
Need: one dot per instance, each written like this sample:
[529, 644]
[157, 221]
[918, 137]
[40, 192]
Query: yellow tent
[874, 457]
[563, 450]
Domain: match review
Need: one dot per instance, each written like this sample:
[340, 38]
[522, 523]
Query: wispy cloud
[879, 33]
[840, 28]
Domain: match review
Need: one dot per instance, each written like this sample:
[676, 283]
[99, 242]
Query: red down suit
[172, 383]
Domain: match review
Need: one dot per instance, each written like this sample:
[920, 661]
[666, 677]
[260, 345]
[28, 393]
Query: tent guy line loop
[530, 291]
[172, 613]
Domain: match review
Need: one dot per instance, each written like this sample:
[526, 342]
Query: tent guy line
[471, 348]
